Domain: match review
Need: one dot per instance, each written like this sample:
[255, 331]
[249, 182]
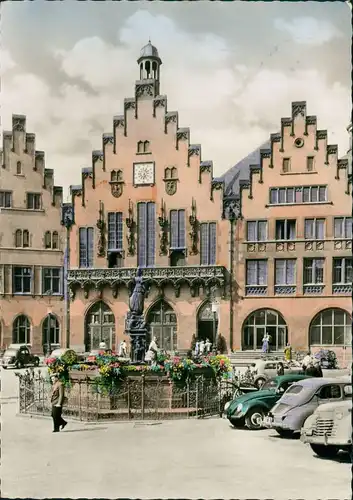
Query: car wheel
[254, 419]
[285, 433]
[324, 451]
[237, 423]
[259, 382]
[5, 367]
[36, 362]
[19, 365]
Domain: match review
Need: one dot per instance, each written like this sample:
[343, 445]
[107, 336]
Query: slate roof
[241, 171]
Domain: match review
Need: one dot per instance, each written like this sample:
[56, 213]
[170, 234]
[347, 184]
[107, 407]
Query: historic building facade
[31, 244]
[293, 241]
[148, 201]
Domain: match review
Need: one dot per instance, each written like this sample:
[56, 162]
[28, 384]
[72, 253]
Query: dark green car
[249, 410]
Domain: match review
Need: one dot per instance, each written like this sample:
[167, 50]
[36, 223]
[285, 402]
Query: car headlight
[339, 415]
[239, 407]
[226, 406]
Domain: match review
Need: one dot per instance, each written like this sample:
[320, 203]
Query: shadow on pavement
[341, 458]
[86, 430]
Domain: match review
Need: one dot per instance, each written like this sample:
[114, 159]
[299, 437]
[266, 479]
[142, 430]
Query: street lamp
[215, 316]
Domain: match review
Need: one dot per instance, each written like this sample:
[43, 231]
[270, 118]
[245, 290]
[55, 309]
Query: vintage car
[250, 409]
[263, 370]
[19, 356]
[301, 400]
[57, 353]
[329, 429]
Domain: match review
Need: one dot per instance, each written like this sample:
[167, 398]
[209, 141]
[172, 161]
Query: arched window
[167, 173]
[146, 146]
[55, 240]
[21, 330]
[50, 330]
[119, 175]
[140, 147]
[47, 239]
[163, 322]
[331, 327]
[113, 176]
[18, 238]
[207, 323]
[174, 173]
[99, 326]
[261, 322]
[25, 239]
[18, 168]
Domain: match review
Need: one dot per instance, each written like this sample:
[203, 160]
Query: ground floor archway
[99, 326]
[51, 330]
[163, 325]
[260, 322]
[207, 323]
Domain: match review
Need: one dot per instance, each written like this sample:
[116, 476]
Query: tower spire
[150, 63]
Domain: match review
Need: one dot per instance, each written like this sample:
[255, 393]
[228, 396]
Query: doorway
[207, 323]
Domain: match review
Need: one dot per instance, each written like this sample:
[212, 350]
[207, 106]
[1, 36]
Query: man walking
[57, 401]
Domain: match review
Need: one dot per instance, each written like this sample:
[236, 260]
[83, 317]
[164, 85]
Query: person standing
[202, 347]
[152, 352]
[57, 401]
[265, 344]
[197, 348]
[208, 346]
[288, 352]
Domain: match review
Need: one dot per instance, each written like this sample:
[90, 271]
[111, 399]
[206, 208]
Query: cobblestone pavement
[190, 459]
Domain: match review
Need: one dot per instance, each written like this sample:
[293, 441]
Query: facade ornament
[194, 233]
[144, 90]
[101, 228]
[129, 104]
[216, 186]
[116, 183]
[130, 224]
[171, 186]
[163, 235]
[118, 121]
[108, 139]
[159, 102]
[67, 215]
[18, 123]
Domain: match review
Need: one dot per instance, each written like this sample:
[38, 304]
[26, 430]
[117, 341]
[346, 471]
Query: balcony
[285, 290]
[195, 277]
[253, 290]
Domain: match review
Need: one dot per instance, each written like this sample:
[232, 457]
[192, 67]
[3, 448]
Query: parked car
[57, 353]
[263, 370]
[19, 356]
[250, 409]
[329, 429]
[301, 400]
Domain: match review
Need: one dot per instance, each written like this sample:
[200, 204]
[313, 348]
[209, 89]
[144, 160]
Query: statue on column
[135, 323]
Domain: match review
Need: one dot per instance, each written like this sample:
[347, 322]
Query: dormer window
[143, 147]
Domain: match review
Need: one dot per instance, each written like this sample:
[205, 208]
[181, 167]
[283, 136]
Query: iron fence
[135, 398]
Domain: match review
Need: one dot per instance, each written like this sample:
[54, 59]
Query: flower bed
[110, 370]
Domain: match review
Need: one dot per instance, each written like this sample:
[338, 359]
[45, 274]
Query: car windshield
[10, 352]
[295, 389]
[270, 384]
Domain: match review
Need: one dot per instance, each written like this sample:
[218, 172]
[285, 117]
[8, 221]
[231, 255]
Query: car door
[25, 356]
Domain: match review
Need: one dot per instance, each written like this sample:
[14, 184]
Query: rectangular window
[22, 279]
[256, 230]
[34, 201]
[310, 164]
[208, 253]
[343, 227]
[177, 230]
[115, 231]
[314, 229]
[256, 272]
[5, 199]
[313, 271]
[146, 221]
[52, 280]
[286, 229]
[342, 270]
[86, 246]
[298, 194]
[285, 272]
[285, 165]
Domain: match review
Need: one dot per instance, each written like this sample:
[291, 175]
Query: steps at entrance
[240, 355]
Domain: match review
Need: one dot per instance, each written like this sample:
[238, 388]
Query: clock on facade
[143, 174]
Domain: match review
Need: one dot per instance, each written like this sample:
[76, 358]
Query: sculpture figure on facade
[135, 323]
[137, 299]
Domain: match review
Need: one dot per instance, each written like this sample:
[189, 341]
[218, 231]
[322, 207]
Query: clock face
[143, 174]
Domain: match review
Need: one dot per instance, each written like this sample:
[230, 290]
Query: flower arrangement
[220, 364]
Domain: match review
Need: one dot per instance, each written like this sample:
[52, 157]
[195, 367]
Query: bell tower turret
[150, 63]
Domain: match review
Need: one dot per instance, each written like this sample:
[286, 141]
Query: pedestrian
[202, 347]
[57, 401]
[280, 368]
[307, 360]
[208, 346]
[151, 355]
[265, 343]
[197, 348]
[288, 352]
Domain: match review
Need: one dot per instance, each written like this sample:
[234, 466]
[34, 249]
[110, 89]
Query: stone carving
[194, 233]
[67, 215]
[298, 108]
[116, 189]
[145, 90]
[216, 186]
[308, 245]
[319, 245]
[108, 139]
[135, 324]
[171, 186]
[194, 150]
[101, 226]
[163, 235]
[130, 223]
[338, 245]
[18, 123]
[118, 122]
[261, 247]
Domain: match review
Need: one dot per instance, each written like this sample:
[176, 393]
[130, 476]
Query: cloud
[6, 61]
[230, 106]
[308, 30]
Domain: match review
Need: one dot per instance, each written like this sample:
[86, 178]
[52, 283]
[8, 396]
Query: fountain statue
[136, 326]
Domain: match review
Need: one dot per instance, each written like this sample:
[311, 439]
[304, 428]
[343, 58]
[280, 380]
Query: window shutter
[181, 223]
[204, 244]
[90, 246]
[83, 247]
[151, 234]
[213, 243]
[142, 226]
[309, 228]
[280, 277]
[173, 229]
[251, 272]
[251, 231]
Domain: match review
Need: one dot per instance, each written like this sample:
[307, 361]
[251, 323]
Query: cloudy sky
[230, 69]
